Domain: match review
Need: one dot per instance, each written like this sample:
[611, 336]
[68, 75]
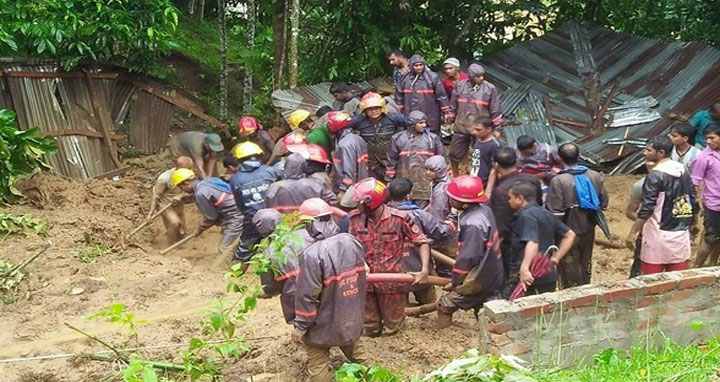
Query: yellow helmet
[373, 100]
[296, 117]
[180, 175]
[246, 149]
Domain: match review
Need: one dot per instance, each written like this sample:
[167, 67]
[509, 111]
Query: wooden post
[103, 115]
[598, 117]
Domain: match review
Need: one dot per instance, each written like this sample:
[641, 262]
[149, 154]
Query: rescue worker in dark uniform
[251, 131]
[249, 185]
[434, 228]
[287, 195]
[317, 165]
[284, 267]
[421, 89]
[407, 154]
[478, 272]
[436, 170]
[384, 231]
[330, 293]
[471, 99]
[214, 200]
[350, 157]
[377, 127]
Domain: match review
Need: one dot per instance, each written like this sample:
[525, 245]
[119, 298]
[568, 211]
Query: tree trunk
[200, 10]
[248, 82]
[191, 7]
[279, 41]
[222, 26]
[293, 43]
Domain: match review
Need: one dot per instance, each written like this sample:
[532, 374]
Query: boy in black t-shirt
[533, 230]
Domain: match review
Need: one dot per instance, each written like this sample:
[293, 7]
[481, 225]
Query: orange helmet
[338, 120]
[370, 192]
[247, 125]
[467, 189]
[373, 100]
[317, 154]
[315, 208]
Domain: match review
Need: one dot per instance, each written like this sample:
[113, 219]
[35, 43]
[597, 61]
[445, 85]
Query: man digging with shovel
[162, 194]
[214, 200]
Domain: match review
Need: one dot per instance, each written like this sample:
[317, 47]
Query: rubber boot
[444, 320]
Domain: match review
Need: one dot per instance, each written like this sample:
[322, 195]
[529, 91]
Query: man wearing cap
[472, 98]
[454, 74]
[214, 200]
[201, 147]
[477, 272]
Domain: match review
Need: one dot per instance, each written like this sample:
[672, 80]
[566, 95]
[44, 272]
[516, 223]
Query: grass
[92, 252]
[673, 363]
[200, 41]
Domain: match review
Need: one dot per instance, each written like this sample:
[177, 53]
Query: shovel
[148, 221]
[179, 243]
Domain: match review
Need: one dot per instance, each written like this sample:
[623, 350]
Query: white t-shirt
[687, 158]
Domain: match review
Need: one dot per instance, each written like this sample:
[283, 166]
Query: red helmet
[370, 192]
[247, 125]
[315, 208]
[317, 154]
[294, 139]
[467, 189]
[338, 120]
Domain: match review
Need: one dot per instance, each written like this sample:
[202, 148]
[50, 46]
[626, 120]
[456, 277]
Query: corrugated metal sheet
[682, 77]
[149, 122]
[61, 103]
[311, 97]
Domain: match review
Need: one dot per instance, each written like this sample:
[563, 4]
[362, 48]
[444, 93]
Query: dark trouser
[459, 146]
[425, 296]
[576, 267]
[384, 310]
[635, 269]
[453, 301]
[710, 244]
[248, 239]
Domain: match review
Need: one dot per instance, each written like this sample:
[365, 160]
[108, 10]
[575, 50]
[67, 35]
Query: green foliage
[139, 371]
[123, 32]
[353, 372]
[116, 313]
[21, 154]
[672, 363]
[92, 252]
[9, 285]
[20, 224]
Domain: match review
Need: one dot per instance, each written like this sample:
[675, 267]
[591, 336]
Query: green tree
[131, 33]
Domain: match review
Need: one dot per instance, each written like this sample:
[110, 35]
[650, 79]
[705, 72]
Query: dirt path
[173, 291]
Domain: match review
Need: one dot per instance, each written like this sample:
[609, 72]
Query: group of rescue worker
[380, 194]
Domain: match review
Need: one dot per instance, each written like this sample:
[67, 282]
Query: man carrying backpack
[576, 195]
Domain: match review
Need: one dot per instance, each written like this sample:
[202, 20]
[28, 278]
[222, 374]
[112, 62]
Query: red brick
[659, 287]
[565, 340]
[677, 296]
[644, 324]
[620, 293]
[532, 311]
[646, 301]
[496, 317]
[518, 349]
[500, 339]
[500, 327]
[494, 350]
[581, 301]
[697, 308]
[693, 281]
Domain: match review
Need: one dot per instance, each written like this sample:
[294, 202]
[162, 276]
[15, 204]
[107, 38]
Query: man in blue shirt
[701, 120]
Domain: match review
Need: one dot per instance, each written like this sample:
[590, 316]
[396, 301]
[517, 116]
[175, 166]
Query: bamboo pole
[415, 311]
[179, 243]
[150, 219]
[442, 258]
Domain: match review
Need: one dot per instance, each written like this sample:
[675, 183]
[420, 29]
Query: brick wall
[570, 326]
